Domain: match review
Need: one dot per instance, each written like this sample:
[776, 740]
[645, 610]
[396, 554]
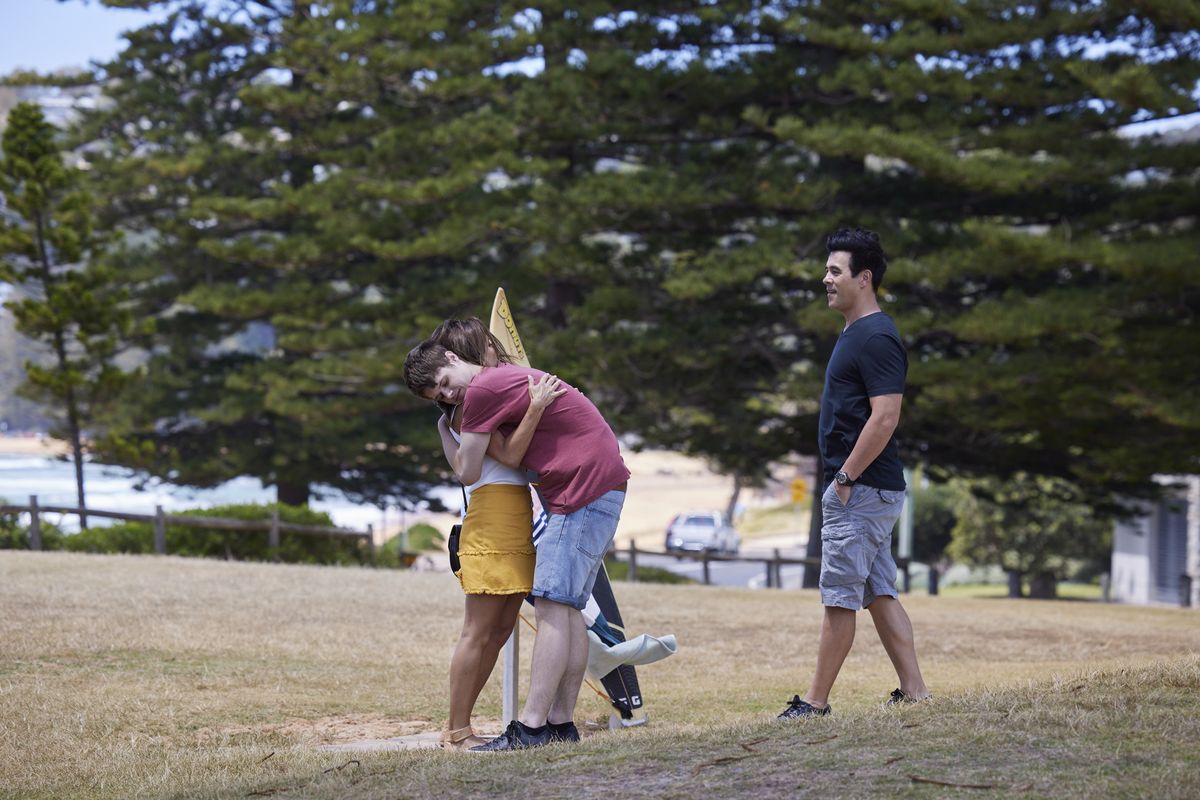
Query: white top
[493, 471]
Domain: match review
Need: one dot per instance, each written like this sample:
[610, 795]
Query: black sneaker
[899, 696]
[516, 737]
[798, 709]
[563, 732]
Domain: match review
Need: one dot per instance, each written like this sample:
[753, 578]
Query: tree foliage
[935, 518]
[246, 172]
[314, 186]
[72, 305]
[1029, 525]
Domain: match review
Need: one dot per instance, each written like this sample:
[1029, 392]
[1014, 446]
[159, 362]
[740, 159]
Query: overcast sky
[47, 35]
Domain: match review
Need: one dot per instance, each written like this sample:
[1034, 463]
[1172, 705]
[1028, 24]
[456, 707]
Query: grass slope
[164, 677]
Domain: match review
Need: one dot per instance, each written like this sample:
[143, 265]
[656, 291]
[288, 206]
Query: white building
[1156, 555]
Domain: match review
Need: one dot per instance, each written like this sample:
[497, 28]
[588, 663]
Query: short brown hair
[421, 366]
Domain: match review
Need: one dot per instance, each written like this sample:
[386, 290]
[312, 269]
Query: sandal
[459, 739]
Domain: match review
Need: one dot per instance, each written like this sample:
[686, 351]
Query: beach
[32, 445]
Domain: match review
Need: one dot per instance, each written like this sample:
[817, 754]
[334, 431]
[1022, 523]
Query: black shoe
[899, 696]
[516, 737]
[563, 732]
[798, 709]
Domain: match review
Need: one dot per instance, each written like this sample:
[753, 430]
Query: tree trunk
[934, 575]
[733, 498]
[293, 493]
[64, 364]
[1043, 586]
[812, 574]
[1014, 584]
[77, 455]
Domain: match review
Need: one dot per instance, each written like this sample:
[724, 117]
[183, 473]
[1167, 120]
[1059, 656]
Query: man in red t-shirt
[582, 480]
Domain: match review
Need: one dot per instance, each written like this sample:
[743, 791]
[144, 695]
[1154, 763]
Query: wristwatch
[842, 479]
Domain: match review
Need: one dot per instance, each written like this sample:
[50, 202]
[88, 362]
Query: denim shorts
[572, 548]
[856, 546]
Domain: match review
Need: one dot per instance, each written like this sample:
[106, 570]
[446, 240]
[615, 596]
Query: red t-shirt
[573, 451]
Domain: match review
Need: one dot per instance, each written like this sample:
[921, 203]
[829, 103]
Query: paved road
[752, 574]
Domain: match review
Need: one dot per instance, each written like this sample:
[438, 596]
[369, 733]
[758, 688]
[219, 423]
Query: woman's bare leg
[487, 623]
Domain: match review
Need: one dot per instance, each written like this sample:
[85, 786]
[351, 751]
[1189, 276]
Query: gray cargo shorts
[856, 546]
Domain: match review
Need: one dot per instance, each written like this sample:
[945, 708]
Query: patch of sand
[334, 731]
[662, 484]
[355, 733]
[32, 446]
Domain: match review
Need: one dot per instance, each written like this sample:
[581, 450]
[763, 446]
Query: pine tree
[654, 187]
[1038, 254]
[308, 203]
[72, 305]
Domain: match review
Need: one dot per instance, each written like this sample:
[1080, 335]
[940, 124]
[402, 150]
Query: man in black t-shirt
[860, 407]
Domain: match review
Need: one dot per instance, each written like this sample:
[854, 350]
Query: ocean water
[113, 489]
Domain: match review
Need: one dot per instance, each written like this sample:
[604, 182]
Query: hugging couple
[500, 419]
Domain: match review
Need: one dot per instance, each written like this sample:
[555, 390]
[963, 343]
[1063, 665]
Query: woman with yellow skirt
[495, 553]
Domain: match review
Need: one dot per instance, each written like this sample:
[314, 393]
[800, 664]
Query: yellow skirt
[495, 549]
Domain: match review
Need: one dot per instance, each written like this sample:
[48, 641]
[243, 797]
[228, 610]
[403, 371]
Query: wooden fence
[772, 563]
[161, 520]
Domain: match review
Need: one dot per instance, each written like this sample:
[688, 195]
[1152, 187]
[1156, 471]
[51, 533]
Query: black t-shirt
[868, 360]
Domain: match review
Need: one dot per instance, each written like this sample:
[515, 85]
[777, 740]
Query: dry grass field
[164, 677]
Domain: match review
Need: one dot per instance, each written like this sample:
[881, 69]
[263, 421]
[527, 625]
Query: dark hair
[469, 340]
[865, 252]
[421, 366]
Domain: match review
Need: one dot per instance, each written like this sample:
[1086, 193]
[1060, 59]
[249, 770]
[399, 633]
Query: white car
[699, 531]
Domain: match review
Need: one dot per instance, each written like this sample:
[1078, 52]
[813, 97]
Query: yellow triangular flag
[504, 328]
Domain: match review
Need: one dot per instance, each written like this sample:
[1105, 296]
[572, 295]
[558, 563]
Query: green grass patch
[1066, 591]
[619, 571]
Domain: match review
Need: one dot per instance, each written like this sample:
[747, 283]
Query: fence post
[777, 568]
[35, 524]
[509, 696]
[160, 531]
[371, 540]
[632, 576]
[704, 561]
[273, 536]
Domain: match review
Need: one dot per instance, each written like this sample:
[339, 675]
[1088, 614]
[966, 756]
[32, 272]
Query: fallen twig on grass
[268, 755]
[267, 792]
[892, 760]
[820, 741]
[716, 762]
[354, 761]
[936, 782]
[749, 746]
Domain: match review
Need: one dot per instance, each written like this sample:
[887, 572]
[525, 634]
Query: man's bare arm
[885, 416]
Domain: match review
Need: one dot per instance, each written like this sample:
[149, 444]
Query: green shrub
[295, 548]
[424, 536]
[619, 571]
[15, 536]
